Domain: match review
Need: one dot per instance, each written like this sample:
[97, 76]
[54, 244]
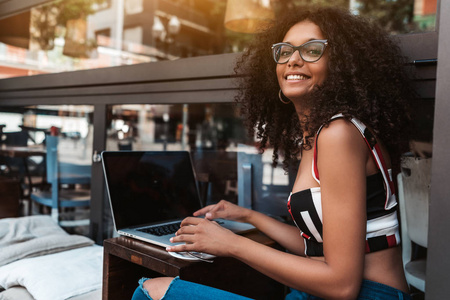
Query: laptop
[151, 192]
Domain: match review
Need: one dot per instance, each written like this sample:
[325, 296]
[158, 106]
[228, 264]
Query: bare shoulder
[340, 133]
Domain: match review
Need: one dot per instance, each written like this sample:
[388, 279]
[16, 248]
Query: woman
[333, 92]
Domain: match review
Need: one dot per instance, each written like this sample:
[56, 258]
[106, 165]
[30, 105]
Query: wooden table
[126, 260]
[20, 151]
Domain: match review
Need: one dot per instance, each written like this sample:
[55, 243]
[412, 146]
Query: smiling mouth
[297, 77]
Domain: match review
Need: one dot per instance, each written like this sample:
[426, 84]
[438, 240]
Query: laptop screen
[150, 187]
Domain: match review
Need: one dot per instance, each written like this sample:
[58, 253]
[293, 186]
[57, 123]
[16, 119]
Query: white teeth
[296, 77]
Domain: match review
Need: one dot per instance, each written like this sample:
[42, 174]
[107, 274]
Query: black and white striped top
[382, 231]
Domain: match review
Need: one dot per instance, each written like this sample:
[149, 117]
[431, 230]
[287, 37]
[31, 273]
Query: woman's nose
[295, 59]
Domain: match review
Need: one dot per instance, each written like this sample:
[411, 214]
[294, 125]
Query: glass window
[68, 35]
[215, 136]
[72, 122]
[189, 127]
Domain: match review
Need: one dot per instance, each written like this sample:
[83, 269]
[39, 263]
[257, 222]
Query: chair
[414, 195]
[14, 166]
[59, 176]
[216, 175]
[23, 168]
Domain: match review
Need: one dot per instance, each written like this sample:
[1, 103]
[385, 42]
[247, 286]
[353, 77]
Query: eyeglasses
[310, 51]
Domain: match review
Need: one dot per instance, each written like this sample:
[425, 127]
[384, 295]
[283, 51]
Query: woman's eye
[313, 52]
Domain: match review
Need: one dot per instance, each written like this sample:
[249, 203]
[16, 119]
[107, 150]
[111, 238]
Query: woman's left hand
[202, 235]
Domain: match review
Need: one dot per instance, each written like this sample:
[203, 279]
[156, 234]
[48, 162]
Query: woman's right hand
[224, 210]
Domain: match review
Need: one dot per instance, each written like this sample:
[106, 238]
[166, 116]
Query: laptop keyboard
[162, 229]
[165, 229]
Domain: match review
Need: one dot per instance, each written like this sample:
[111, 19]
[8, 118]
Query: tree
[46, 18]
[395, 16]
[74, 9]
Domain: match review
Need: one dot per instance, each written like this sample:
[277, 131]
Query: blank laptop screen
[150, 187]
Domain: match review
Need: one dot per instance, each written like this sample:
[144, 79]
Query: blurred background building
[68, 35]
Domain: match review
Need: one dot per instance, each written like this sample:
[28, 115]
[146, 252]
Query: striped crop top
[382, 230]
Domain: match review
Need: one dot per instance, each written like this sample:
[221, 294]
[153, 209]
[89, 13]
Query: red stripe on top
[391, 240]
[367, 247]
[316, 170]
[383, 164]
[289, 206]
[305, 235]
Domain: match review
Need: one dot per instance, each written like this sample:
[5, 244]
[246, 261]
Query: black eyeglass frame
[298, 48]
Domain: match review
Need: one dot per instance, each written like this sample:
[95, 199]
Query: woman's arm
[286, 235]
[342, 158]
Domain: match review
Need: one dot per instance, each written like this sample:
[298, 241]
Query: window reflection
[212, 134]
[67, 35]
[215, 136]
[189, 127]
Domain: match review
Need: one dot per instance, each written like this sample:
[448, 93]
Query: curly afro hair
[366, 79]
